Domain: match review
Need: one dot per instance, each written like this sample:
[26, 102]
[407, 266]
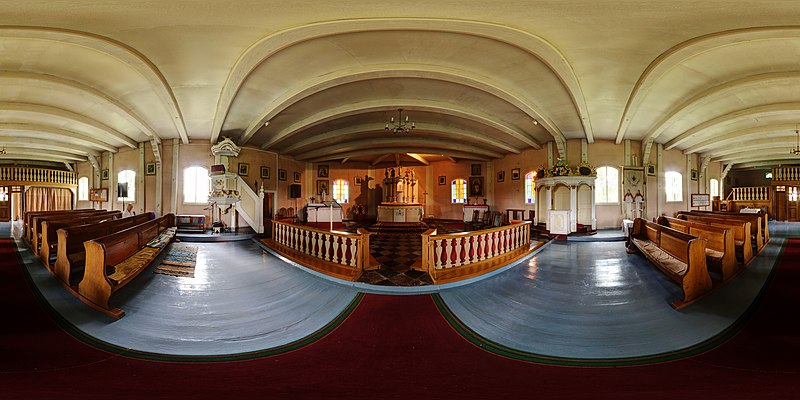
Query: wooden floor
[577, 300]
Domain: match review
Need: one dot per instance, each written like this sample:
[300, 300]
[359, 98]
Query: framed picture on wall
[322, 171]
[104, 174]
[264, 172]
[694, 174]
[501, 176]
[100, 195]
[476, 169]
[515, 174]
[442, 180]
[651, 170]
[244, 169]
[322, 187]
[281, 174]
[150, 169]
[359, 181]
[476, 186]
[296, 176]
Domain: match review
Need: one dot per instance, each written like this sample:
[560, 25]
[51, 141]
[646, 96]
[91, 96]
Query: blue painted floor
[572, 299]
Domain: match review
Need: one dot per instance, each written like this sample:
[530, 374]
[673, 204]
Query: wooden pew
[742, 240]
[70, 253]
[49, 236]
[682, 257]
[28, 219]
[752, 234]
[38, 223]
[114, 260]
[764, 221]
[720, 250]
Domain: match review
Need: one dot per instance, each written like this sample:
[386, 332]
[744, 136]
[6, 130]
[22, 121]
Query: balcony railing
[786, 173]
[751, 193]
[29, 176]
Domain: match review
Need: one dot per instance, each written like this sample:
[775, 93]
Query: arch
[451, 75]
[273, 44]
[742, 134]
[686, 50]
[81, 89]
[331, 114]
[56, 135]
[126, 54]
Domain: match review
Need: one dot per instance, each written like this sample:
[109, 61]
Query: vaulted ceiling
[318, 80]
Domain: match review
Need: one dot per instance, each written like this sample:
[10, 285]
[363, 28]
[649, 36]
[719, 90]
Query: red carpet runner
[391, 347]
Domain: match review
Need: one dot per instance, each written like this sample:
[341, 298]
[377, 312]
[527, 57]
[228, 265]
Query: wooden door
[781, 205]
[268, 211]
[5, 204]
[792, 203]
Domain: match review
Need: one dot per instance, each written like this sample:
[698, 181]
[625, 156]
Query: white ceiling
[717, 78]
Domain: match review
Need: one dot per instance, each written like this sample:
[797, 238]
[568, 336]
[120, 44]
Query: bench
[36, 225]
[50, 226]
[28, 219]
[759, 224]
[742, 240]
[720, 250]
[114, 260]
[682, 257]
[70, 252]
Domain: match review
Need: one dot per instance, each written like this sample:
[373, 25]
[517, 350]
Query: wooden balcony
[31, 176]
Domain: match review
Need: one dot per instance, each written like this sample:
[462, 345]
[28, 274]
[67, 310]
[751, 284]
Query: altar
[400, 213]
[319, 212]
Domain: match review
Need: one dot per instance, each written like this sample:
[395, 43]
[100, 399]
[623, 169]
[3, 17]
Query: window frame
[82, 192]
[530, 177]
[711, 185]
[667, 187]
[454, 188]
[619, 186]
[345, 190]
[131, 197]
[183, 191]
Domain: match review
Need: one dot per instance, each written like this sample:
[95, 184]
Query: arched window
[127, 176]
[713, 188]
[672, 186]
[607, 185]
[530, 187]
[458, 188]
[195, 185]
[340, 191]
[83, 189]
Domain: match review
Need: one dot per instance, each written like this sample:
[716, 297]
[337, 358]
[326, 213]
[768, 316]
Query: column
[549, 204]
[594, 206]
[573, 208]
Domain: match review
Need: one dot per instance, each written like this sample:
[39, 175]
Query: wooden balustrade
[458, 256]
[751, 193]
[786, 173]
[24, 175]
[340, 254]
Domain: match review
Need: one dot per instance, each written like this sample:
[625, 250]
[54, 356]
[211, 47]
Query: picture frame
[651, 170]
[150, 169]
[359, 181]
[442, 180]
[694, 174]
[515, 174]
[322, 171]
[323, 186]
[476, 186]
[501, 176]
[475, 170]
[264, 172]
[104, 174]
[296, 176]
[244, 169]
[281, 174]
[98, 194]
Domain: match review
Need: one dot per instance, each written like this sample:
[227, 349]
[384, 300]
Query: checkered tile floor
[396, 253]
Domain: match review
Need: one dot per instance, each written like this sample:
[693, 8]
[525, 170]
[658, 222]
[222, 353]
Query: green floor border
[82, 336]
[709, 344]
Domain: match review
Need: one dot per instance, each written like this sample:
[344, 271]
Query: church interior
[367, 199]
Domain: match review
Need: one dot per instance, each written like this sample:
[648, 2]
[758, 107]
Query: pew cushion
[133, 264]
[661, 257]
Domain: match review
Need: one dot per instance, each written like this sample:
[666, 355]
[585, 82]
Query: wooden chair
[475, 222]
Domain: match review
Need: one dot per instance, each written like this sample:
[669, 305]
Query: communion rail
[453, 257]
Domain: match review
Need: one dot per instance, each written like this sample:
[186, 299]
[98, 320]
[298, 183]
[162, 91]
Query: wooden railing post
[427, 251]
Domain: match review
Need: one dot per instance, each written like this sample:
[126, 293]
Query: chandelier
[796, 150]
[401, 126]
[3, 151]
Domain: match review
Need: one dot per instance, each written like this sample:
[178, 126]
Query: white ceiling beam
[443, 146]
[19, 153]
[417, 150]
[419, 158]
[379, 159]
[44, 144]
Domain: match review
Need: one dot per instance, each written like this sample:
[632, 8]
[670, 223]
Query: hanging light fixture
[401, 126]
[3, 151]
[796, 150]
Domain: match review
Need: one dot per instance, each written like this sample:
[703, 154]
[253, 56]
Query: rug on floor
[179, 261]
